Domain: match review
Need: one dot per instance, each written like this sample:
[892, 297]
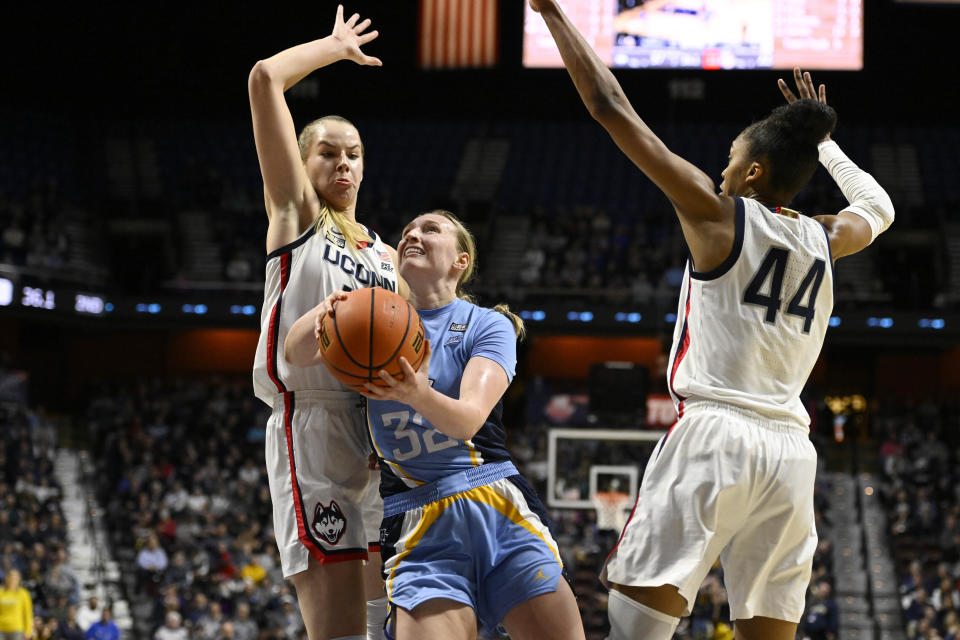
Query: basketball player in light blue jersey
[464, 537]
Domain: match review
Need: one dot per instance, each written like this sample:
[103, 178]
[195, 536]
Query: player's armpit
[283, 226]
[848, 233]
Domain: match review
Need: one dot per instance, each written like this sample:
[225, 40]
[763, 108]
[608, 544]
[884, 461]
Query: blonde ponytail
[352, 231]
[516, 320]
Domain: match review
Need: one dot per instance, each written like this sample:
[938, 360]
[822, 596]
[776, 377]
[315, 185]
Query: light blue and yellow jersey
[411, 451]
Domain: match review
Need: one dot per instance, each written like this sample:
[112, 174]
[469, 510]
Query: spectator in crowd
[105, 628]
[60, 581]
[226, 632]
[209, 625]
[253, 570]
[171, 629]
[70, 628]
[16, 609]
[945, 596]
[152, 561]
[287, 619]
[951, 624]
[245, 628]
[821, 619]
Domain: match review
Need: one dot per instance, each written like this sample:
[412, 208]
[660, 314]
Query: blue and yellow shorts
[479, 537]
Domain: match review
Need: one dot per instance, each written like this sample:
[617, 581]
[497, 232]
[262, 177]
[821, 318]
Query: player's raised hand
[351, 35]
[805, 87]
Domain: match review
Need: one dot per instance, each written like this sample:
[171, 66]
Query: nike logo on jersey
[336, 238]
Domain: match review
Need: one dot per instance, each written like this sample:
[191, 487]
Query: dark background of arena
[89, 91]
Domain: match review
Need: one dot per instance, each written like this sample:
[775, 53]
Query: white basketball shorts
[326, 500]
[732, 483]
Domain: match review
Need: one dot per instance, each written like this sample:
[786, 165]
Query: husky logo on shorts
[328, 522]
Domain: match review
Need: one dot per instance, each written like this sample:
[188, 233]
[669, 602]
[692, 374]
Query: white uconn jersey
[749, 332]
[299, 276]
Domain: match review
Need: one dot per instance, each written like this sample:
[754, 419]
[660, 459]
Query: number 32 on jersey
[431, 439]
[772, 269]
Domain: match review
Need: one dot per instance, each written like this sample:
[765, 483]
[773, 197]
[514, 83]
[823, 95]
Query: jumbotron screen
[709, 34]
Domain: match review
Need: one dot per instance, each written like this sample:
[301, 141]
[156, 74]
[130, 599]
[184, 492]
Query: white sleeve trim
[866, 197]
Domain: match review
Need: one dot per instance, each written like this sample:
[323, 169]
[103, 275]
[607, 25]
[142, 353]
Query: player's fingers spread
[367, 37]
[386, 377]
[339, 13]
[823, 93]
[373, 62]
[360, 28]
[785, 90]
[803, 85]
[353, 20]
[407, 369]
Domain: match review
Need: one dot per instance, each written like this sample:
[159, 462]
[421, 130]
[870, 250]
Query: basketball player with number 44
[734, 477]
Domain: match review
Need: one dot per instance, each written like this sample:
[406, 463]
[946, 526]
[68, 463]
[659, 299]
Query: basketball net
[611, 509]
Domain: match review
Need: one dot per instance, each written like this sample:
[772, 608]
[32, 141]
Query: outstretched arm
[701, 210]
[292, 204]
[870, 210]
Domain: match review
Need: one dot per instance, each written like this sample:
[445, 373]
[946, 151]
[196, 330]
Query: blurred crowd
[921, 494]
[180, 476]
[40, 595]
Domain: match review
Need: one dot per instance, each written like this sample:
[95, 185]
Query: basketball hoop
[611, 507]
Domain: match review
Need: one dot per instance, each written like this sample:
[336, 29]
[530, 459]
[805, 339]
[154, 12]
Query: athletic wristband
[866, 197]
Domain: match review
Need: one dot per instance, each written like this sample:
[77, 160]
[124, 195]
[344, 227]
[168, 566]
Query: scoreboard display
[709, 34]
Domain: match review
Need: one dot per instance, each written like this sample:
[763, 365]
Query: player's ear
[462, 261]
[756, 174]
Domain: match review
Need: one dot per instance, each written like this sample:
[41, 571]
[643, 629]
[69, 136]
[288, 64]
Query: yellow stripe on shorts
[485, 495]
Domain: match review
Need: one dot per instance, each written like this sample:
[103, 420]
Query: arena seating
[208, 224]
[918, 459]
[33, 531]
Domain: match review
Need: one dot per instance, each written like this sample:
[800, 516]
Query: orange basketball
[370, 330]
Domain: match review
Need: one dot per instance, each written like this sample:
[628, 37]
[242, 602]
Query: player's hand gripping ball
[370, 330]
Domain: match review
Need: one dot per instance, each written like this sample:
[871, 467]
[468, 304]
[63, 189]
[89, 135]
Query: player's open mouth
[412, 251]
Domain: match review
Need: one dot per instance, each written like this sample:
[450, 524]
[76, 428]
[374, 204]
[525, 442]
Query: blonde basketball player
[734, 477]
[465, 538]
[326, 504]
